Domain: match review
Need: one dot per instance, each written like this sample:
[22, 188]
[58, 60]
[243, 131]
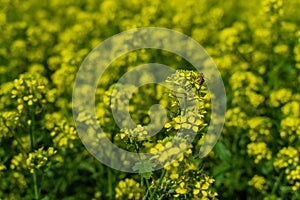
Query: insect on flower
[200, 79]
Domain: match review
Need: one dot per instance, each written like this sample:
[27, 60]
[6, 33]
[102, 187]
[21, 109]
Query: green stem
[31, 130]
[276, 184]
[110, 190]
[32, 144]
[158, 184]
[36, 189]
[148, 186]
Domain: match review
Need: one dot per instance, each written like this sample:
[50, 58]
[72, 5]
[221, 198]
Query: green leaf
[144, 168]
[221, 169]
[87, 166]
[222, 152]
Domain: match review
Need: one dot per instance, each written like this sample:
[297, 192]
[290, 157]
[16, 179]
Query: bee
[200, 79]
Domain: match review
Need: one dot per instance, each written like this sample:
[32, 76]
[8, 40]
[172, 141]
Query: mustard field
[255, 46]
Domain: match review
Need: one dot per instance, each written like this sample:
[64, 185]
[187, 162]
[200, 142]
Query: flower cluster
[29, 91]
[33, 161]
[128, 189]
[183, 179]
[258, 182]
[63, 136]
[38, 159]
[259, 150]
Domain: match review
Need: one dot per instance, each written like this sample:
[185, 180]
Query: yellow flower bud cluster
[33, 161]
[128, 189]
[39, 159]
[30, 91]
[64, 135]
[259, 129]
[288, 159]
[258, 182]
[259, 150]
